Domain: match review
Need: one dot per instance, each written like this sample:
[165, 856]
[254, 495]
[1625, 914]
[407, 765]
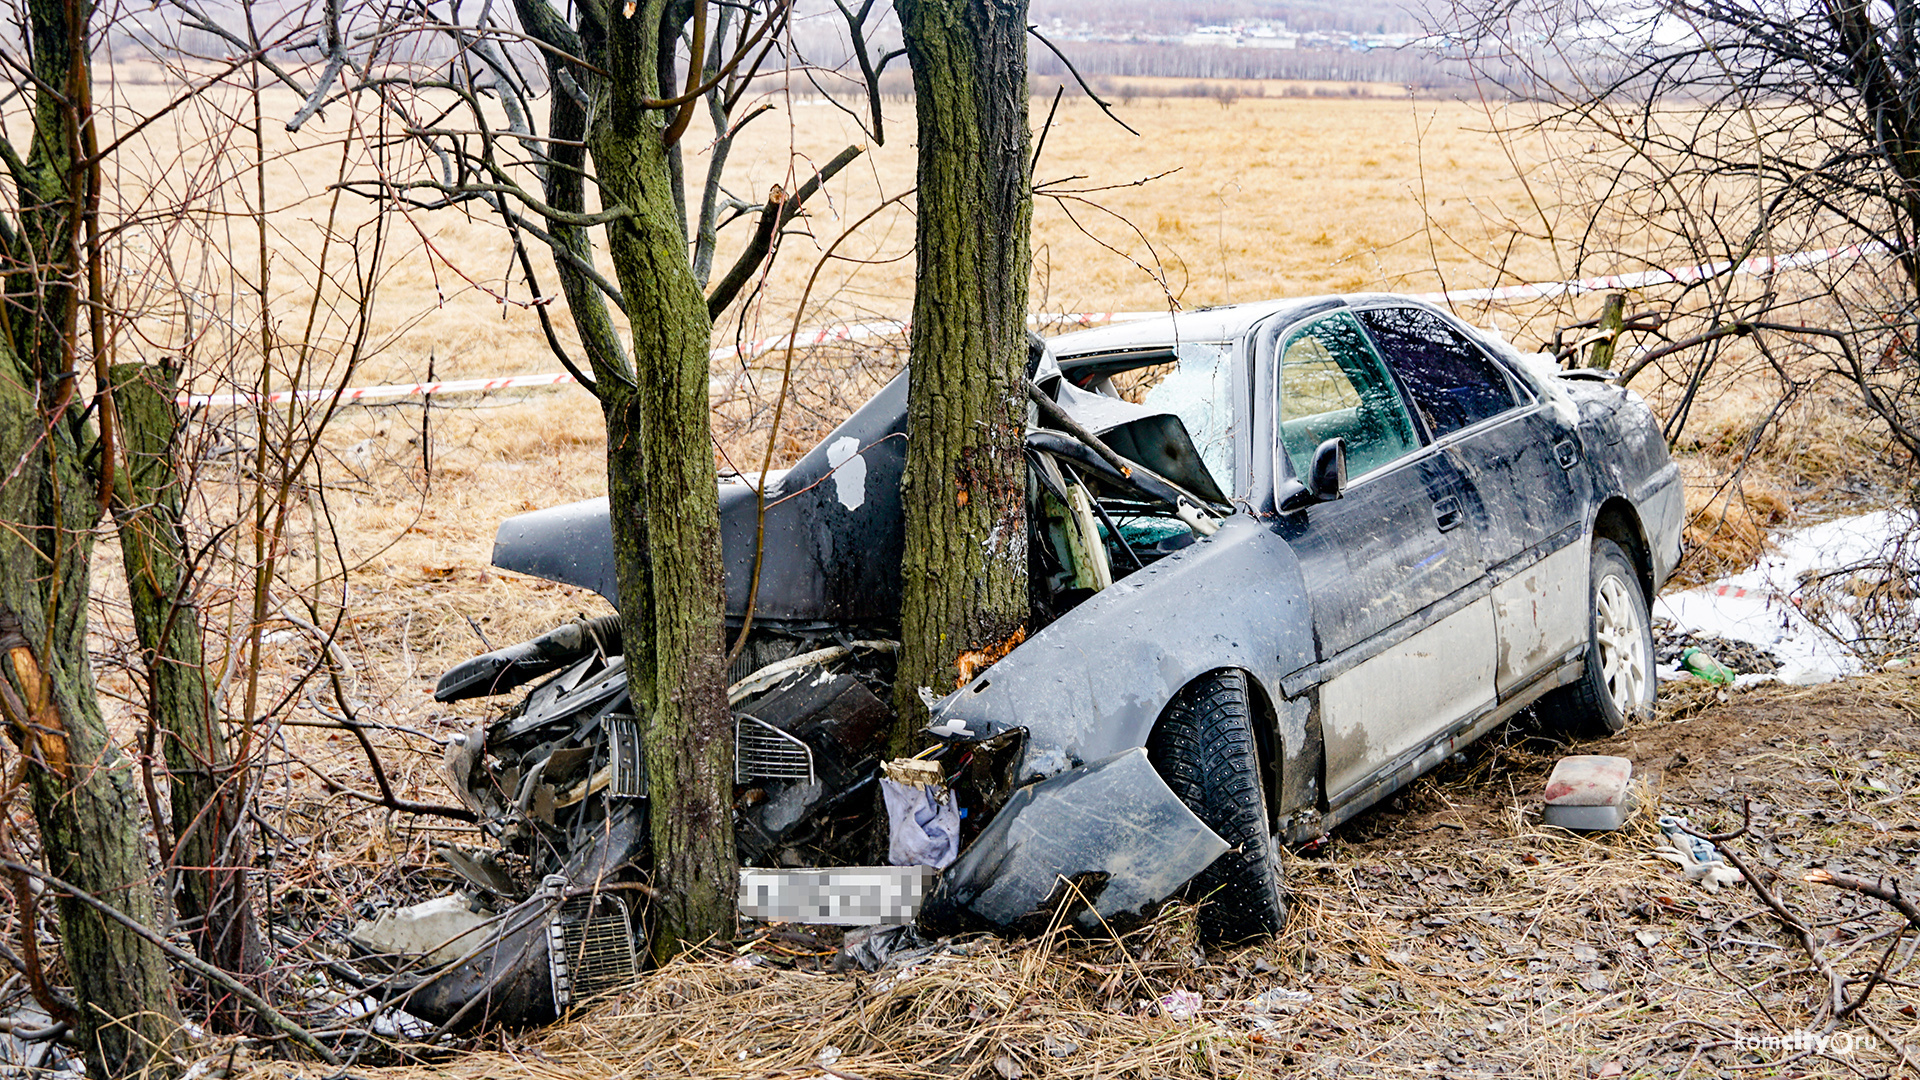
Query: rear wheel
[1619, 681]
[1205, 749]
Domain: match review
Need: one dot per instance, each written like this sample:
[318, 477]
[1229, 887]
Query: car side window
[1451, 381]
[1333, 385]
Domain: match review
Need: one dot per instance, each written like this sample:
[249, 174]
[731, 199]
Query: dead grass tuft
[1728, 519]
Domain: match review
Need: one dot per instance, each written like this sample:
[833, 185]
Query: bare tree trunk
[210, 851]
[82, 787]
[665, 491]
[965, 573]
[661, 481]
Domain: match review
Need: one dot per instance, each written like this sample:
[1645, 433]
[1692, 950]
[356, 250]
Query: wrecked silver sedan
[1284, 558]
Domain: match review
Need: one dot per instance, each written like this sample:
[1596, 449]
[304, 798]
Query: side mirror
[1326, 478]
[1329, 478]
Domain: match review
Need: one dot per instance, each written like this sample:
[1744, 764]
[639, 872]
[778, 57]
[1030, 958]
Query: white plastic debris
[1180, 1005]
[1279, 999]
[923, 821]
[443, 930]
[1698, 859]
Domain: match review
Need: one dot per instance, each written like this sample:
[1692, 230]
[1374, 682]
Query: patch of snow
[1759, 606]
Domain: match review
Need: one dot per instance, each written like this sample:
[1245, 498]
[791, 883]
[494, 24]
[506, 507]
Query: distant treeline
[1406, 66]
[1163, 17]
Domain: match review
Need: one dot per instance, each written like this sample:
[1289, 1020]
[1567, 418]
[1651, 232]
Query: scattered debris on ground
[1671, 642]
[1448, 933]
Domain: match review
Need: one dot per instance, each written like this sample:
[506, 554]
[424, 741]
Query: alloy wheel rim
[1621, 635]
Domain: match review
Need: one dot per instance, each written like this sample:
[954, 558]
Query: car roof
[1224, 323]
[1210, 324]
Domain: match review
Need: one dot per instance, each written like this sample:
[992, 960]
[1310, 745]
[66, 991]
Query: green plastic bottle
[1702, 663]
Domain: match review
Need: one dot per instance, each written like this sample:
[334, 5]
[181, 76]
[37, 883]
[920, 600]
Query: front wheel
[1204, 748]
[1619, 681]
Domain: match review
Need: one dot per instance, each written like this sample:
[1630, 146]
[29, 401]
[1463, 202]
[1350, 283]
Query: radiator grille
[591, 949]
[764, 752]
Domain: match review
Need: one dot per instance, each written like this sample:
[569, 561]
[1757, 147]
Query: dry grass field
[1208, 204]
[1447, 935]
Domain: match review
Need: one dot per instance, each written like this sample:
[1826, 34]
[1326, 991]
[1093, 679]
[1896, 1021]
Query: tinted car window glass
[1333, 385]
[1452, 382]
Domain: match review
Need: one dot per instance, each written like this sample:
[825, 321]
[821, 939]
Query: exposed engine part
[544, 776]
[982, 777]
[820, 731]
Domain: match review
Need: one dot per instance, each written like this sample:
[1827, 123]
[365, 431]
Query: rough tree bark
[82, 786]
[965, 570]
[209, 848]
[661, 481]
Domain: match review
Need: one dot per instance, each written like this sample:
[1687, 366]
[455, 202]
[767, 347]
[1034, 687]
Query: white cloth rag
[923, 824]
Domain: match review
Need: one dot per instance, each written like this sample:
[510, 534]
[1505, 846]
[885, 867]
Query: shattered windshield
[1197, 390]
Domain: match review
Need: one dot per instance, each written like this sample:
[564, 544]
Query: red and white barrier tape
[860, 331]
[1758, 266]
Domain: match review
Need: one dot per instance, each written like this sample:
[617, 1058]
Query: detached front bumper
[1107, 840]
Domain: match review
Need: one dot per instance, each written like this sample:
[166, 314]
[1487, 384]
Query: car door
[1516, 459]
[1397, 590]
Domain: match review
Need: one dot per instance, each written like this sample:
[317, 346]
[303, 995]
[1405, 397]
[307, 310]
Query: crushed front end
[967, 834]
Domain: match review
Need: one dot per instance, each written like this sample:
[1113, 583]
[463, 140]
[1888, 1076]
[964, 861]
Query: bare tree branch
[774, 215]
[254, 1001]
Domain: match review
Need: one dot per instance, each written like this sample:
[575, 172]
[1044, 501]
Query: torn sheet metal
[832, 538]
[1113, 829]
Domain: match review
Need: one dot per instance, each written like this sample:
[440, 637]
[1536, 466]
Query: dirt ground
[1446, 933]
